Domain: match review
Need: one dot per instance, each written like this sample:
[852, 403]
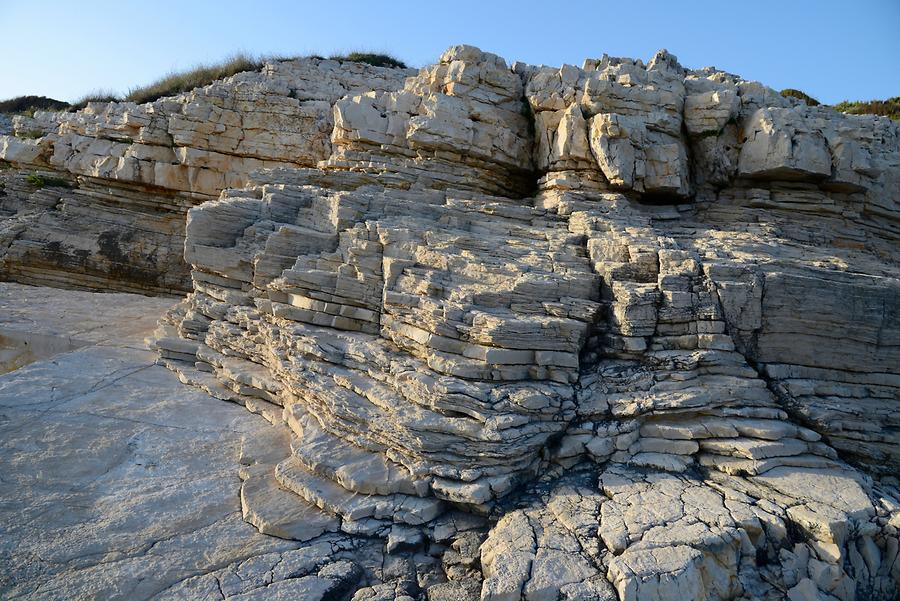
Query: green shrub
[792, 93]
[887, 108]
[40, 181]
[31, 134]
[27, 105]
[370, 58]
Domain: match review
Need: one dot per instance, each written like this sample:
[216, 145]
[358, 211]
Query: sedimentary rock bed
[620, 331]
[117, 179]
[118, 482]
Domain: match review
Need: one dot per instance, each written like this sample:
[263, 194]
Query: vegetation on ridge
[201, 75]
[95, 96]
[887, 108]
[177, 82]
[793, 93]
[27, 105]
[370, 58]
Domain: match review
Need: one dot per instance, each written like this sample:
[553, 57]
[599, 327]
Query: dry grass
[177, 82]
[95, 96]
[201, 75]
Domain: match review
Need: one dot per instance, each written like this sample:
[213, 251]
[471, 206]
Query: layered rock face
[117, 179]
[620, 331]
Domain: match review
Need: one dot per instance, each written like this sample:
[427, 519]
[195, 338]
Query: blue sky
[831, 50]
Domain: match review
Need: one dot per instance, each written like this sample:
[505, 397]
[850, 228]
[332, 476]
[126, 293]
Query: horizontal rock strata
[117, 179]
[620, 331]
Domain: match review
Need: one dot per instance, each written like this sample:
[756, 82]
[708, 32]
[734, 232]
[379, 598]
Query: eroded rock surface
[117, 179]
[620, 331]
[118, 482]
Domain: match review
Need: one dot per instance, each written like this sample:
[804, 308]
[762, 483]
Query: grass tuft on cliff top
[177, 82]
[370, 58]
[793, 93]
[95, 96]
[201, 75]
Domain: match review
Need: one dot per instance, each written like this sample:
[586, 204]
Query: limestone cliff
[623, 330]
[124, 175]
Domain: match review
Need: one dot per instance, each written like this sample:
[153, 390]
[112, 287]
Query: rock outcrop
[116, 179]
[620, 331]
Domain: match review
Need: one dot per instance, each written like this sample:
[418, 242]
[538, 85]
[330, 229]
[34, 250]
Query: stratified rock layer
[641, 318]
[118, 178]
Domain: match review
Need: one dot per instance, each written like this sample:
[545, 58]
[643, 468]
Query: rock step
[354, 468]
[249, 378]
[664, 461]
[174, 356]
[330, 496]
[270, 412]
[737, 466]
[278, 512]
[178, 346]
[754, 448]
[248, 391]
[189, 374]
[726, 427]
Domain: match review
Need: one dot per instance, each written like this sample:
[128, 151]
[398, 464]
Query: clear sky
[833, 50]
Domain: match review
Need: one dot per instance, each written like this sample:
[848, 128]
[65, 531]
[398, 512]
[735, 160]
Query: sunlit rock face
[118, 178]
[623, 330]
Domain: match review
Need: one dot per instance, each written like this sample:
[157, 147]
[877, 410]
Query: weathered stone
[629, 320]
